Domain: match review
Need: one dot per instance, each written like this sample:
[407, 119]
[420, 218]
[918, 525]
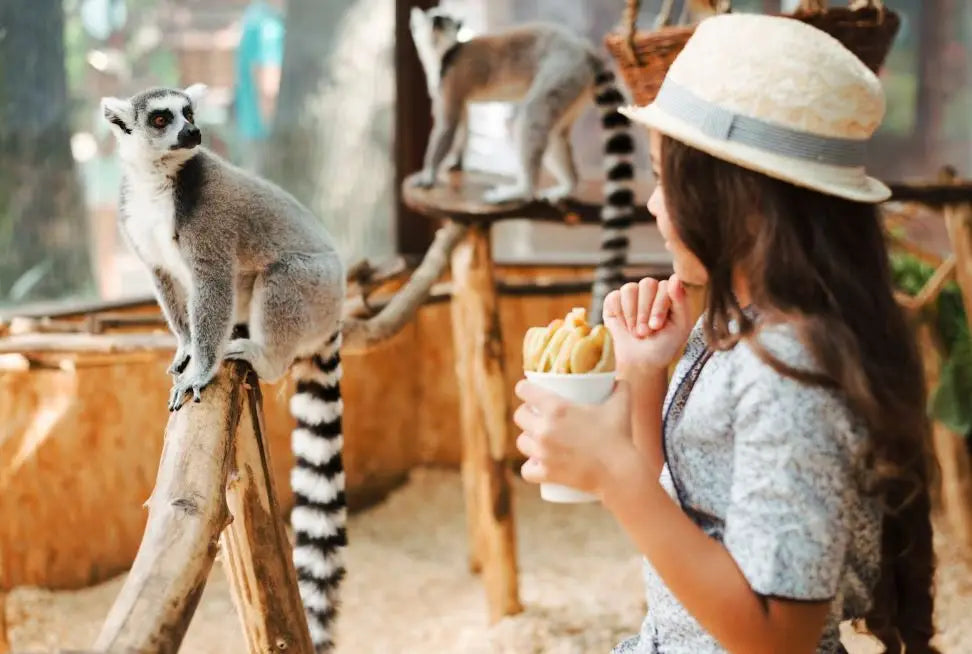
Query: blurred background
[315, 95]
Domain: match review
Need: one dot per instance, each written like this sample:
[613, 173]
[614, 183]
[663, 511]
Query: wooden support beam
[958, 221]
[187, 512]
[485, 411]
[4, 643]
[256, 551]
[955, 483]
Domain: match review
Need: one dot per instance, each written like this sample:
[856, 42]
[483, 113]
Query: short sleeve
[271, 40]
[787, 525]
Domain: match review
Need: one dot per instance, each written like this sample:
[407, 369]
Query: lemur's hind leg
[559, 157]
[284, 308]
[454, 160]
[559, 161]
[544, 110]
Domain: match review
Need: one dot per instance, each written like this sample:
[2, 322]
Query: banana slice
[568, 345]
[587, 353]
[562, 362]
[531, 346]
[606, 362]
[552, 349]
[577, 317]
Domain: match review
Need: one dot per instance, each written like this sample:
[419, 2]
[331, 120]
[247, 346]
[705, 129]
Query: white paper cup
[585, 388]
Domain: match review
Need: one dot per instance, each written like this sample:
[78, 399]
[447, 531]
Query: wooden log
[256, 551]
[485, 415]
[4, 643]
[958, 221]
[97, 343]
[955, 482]
[187, 512]
[402, 307]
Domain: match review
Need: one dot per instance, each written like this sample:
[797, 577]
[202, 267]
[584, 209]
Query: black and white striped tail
[320, 508]
[618, 206]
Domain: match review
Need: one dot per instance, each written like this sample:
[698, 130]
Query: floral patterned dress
[770, 467]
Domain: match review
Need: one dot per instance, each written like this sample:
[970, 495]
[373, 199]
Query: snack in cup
[576, 361]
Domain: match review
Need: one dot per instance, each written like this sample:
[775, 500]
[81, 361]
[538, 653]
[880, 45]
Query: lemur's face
[155, 125]
[435, 27]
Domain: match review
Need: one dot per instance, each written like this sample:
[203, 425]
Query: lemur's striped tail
[320, 507]
[618, 206]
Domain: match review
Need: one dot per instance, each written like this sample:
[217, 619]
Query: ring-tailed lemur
[552, 74]
[226, 249]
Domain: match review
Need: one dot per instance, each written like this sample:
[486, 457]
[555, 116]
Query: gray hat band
[723, 124]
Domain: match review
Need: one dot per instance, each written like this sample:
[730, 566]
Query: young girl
[778, 483]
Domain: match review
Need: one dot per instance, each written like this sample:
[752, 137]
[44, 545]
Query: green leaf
[951, 401]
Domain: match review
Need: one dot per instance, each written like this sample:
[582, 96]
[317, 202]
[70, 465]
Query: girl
[778, 484]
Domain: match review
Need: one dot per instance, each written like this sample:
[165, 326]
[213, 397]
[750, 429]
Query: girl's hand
[649, 323]
[583, 446]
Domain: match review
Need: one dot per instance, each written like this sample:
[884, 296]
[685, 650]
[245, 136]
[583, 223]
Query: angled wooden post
[187, 512]
[189, 509]
[256, 553]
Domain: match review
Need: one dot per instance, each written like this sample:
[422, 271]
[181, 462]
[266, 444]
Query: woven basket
[643, 58]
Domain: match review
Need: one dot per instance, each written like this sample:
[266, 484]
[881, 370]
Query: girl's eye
[160, 121]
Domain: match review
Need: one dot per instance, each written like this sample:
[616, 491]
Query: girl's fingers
[647, 291]
[679, 300]
[612, 306]
[525, 418]
[659, 308]
[533, 471]
[629, 305]
[526, 445]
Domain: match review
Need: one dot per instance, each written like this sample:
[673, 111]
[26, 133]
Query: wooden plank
[256, 551]
[485, 414]
[958, 221]
[96, 343]
[187, 512]
[934, 195]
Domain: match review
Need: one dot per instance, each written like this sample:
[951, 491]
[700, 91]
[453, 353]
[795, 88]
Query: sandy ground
[409, 591]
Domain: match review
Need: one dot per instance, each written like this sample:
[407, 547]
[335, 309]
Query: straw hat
[775, 95]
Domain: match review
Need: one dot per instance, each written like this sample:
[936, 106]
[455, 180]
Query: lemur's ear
[118, 112]
[418, 19]
[196, 93]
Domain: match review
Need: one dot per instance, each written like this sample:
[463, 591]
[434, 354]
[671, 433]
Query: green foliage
[950, 402]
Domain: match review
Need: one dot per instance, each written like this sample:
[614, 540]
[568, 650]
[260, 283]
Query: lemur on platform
[243, 271]
[552, 74]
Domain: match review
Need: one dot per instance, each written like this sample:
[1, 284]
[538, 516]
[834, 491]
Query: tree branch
[187, 512]
[360, 333]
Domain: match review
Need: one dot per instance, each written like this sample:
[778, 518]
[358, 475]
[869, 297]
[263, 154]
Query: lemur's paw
[508, 193]
[179, 362]
[244, 349]
[556, 194]
[424, 180]
[186, 383]
[453, 165]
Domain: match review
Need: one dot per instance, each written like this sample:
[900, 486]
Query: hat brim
[849, 183]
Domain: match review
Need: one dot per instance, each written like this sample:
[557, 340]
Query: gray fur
[228, 248]
[547, 69]
[233, 232]
[551, 73]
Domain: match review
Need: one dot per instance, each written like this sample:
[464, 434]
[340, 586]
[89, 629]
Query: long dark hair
[821, 262]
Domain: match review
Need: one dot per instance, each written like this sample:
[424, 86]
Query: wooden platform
[458, 197]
